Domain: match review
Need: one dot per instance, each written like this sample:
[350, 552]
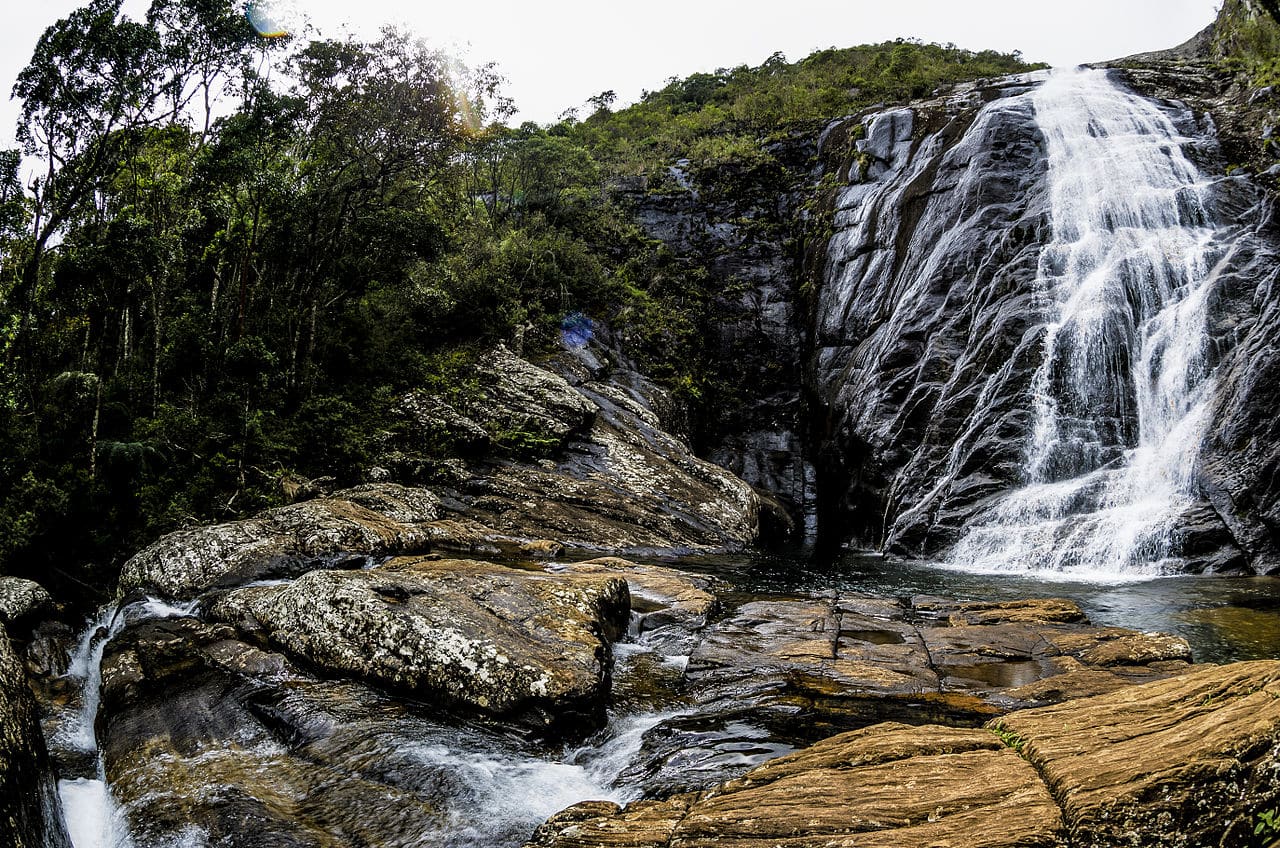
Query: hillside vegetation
[194, 309]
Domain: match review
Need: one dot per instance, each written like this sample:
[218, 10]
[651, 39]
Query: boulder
[368, 521]
[626, 486]
[29, 815]
[527, 408]
[22, 604]
[201, 732]
[461, 634]
[668, 607]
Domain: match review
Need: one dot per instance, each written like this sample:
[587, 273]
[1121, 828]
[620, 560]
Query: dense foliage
[196, 307]
[1247, 38]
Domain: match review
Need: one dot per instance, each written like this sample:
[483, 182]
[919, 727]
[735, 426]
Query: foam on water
[91, 815]
[1120, 398]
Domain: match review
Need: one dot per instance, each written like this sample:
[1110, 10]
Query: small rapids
[488, 789]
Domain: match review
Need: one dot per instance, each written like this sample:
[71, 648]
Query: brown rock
[887, 785]
[1187, 761]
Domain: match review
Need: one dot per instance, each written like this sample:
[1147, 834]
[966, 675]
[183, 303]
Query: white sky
[556, 53]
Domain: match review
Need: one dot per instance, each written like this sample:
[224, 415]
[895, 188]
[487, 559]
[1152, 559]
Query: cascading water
[92, 818]
[1121, 394]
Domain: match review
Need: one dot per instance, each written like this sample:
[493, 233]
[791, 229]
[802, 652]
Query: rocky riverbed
[464, 702]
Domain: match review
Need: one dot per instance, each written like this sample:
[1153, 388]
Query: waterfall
[91, 815]
[1120, 398]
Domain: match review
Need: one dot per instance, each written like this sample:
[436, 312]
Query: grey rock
[520, 397]
[373, 520]
[463, 635]
[626, 485]
[22, 604]
[28, 803]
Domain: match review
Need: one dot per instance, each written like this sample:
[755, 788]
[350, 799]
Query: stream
[492, 788]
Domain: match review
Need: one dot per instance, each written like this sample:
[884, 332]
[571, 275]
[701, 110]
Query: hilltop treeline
[236, 252]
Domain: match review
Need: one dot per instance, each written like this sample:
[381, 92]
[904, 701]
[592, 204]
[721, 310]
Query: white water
[92, 817]
[1123, 284]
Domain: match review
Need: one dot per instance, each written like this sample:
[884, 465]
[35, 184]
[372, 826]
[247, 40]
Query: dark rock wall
[927, 334]
[926, 331]
[741, 230]
[29, 815]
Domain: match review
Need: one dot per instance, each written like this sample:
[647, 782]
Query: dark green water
[1225, 619]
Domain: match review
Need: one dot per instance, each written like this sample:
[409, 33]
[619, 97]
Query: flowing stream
[1121, 395]
[490, 789]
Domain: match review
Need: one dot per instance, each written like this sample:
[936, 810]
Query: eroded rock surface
[459, 634]
[888, 785]
[28, 807]
[779, 674]
[1191, 760]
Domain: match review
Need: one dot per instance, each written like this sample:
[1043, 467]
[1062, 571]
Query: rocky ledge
[1192, 760]
[608, 478]
[459, 634]
[775, 675]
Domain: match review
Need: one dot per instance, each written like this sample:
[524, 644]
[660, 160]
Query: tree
[601, 102]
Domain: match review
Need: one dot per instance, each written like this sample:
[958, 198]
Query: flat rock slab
[1192, 760]
[779, 674]
[888, 785]
[993, 654]
[460, 634]
[1188, 761]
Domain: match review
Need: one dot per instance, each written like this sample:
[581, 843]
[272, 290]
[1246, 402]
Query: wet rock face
[1240, 456]
[740, 230]
[463, 635]
[928, 328]
[776, 675]
[1187, 761]
[204, 734]
[28, 805]
[926, 317]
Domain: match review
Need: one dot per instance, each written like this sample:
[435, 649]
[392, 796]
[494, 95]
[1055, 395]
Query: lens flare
[466, 112]
[576, 331]
[268, 18]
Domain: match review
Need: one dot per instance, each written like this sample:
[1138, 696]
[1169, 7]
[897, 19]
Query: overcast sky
[556, 53]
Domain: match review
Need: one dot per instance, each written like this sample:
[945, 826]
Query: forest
[235, 252]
